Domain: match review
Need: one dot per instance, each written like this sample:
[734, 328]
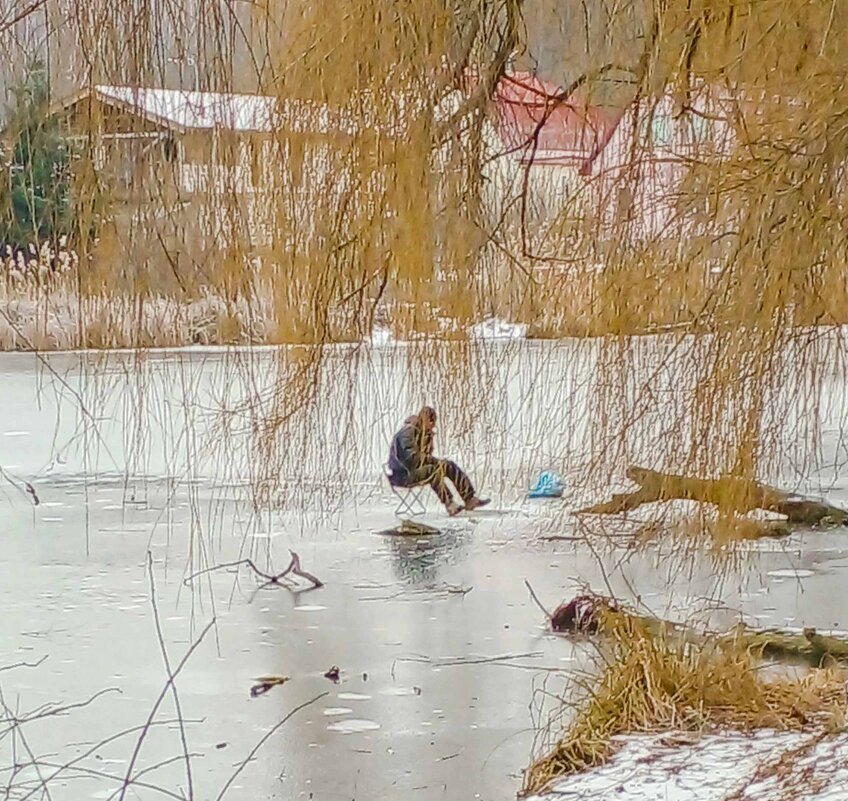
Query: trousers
[436, 473]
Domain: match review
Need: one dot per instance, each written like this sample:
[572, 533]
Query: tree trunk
[736, 494]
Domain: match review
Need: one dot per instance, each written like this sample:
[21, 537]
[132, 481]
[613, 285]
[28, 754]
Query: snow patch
[678, 768]
[493, 328]
[381, 337]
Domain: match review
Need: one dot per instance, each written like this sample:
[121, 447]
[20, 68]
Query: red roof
[566, 130]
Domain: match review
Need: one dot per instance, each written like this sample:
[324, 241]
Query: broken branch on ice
[594, 614]
[294, 568]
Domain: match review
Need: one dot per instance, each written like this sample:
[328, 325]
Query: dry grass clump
[42, 266]
[658, 682]
[58, 318]
[43, 309]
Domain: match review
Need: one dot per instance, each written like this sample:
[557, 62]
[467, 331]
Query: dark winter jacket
[412, 448]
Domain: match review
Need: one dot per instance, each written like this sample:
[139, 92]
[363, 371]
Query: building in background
[616, 166]
[199, 172]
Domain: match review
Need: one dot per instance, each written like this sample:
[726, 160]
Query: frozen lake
[441, 690]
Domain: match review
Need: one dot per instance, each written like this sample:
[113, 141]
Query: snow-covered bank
[716, 768]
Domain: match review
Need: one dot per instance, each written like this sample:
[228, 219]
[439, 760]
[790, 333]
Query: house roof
[183, 110]
[534, 120]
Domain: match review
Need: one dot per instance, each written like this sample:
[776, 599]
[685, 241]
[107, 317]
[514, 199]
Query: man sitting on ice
[411, 463]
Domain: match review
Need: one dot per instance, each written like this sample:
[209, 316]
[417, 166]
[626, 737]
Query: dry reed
[656, 681]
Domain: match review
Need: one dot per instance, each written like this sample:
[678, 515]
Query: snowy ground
[765, 766]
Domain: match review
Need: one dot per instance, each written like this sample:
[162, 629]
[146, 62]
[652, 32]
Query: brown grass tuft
[655, 683]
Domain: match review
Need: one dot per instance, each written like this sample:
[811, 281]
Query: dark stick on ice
[536, 599]
[294, 568]
[172, 675]
[267, 736]
[164, 651]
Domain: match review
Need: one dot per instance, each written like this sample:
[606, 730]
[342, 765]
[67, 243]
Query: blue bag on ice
[548, 485]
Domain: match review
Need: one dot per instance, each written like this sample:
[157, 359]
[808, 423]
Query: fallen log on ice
[591, 614]
[736, 494]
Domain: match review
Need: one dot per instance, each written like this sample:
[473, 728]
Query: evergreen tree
[35, 187]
